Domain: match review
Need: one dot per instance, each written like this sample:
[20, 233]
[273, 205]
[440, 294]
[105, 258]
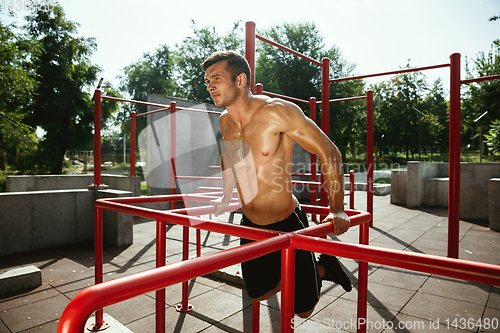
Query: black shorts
[263, 274]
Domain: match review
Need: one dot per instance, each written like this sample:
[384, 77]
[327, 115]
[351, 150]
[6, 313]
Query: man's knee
[306, 314]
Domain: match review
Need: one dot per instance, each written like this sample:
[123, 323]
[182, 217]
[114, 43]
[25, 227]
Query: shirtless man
[257, 154]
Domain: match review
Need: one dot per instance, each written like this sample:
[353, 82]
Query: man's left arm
[310, 137]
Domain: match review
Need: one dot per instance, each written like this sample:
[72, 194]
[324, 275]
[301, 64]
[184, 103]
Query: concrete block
[117, 227]
[399, 186]
[18, 279]
[20, 183]
[494, 209]
[15, 222]
[436, 191]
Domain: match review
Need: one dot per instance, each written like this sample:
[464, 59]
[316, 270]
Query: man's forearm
[333, 174]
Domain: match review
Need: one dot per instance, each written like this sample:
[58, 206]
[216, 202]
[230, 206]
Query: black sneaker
[334, 272]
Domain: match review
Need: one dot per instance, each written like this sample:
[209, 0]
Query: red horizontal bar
[285, 97]
[288, 50]
[135, 102]
[421, 262]
[151, 112]
[344, 99]
[111, 292]
[389, 73]
[482, 78]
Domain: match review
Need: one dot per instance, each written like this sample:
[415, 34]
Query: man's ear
[241, 80]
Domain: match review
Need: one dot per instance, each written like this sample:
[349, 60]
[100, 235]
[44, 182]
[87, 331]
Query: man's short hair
[236, 63]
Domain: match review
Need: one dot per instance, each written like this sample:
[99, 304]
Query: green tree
[394, 113]
[436, 127]
[17, 88]
[191, 53]
[284, 73]
[61, 106]
[152, 74]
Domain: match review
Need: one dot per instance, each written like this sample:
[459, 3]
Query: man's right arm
[228, 182]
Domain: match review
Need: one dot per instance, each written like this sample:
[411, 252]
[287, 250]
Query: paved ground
[409, 301]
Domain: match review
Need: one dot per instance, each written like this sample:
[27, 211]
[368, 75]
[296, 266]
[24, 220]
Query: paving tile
[19, 299]
[68, 275]
[132, 309]
[217, 305]
[490, 322]
[34, 314]
[49, 327]
[383, 296]
[174, 322]
[494, 299]
[457, 289]
[432, 307]
[269, 321]
[400, 278]
[410, 324]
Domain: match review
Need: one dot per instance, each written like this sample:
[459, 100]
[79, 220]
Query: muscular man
[257, 154]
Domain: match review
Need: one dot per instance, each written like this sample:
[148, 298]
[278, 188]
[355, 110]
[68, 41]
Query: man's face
[220, 85]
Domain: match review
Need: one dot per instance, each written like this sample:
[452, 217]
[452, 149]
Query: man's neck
[241, 110]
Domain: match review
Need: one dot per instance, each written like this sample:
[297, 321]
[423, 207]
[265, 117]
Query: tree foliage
[17, 88]
[193, 51]
[61, 106]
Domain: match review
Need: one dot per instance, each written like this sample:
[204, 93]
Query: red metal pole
[454, 167]
[259, 89]
[184, 306]
[132, 143]
[173, 182]
[351, 189]
[369, 153]
[255, 317]
[325, 116]
[250, 51]
[161, 252]
[287, 288]
[314, 190]
[97, 137]
[98, 262]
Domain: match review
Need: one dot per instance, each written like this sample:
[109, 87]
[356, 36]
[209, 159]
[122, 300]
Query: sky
[375, 35]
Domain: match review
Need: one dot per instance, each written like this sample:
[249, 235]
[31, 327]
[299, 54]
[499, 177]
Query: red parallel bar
[293, 99]
[250, 51]
[345, 99]
[287, 289]
[389, 73]
[284, 48]
[480, 79]
[454, 167]
[192, 221]
[111, 292]
[97, 137]
[132, 143]
[455, 268]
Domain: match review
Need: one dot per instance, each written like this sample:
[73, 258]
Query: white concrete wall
[40, 219]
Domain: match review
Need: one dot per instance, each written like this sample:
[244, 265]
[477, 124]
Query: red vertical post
[255, 317]
[454, 164]
[161, 252]
[313, 189]
[132, 143]
[173, 180]
[351, 189]
[259, 89]
[184, 306]
[97, 137]
[287, 288]
[250, 51]
[369, 153]
[325, 116]
[98, 260]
